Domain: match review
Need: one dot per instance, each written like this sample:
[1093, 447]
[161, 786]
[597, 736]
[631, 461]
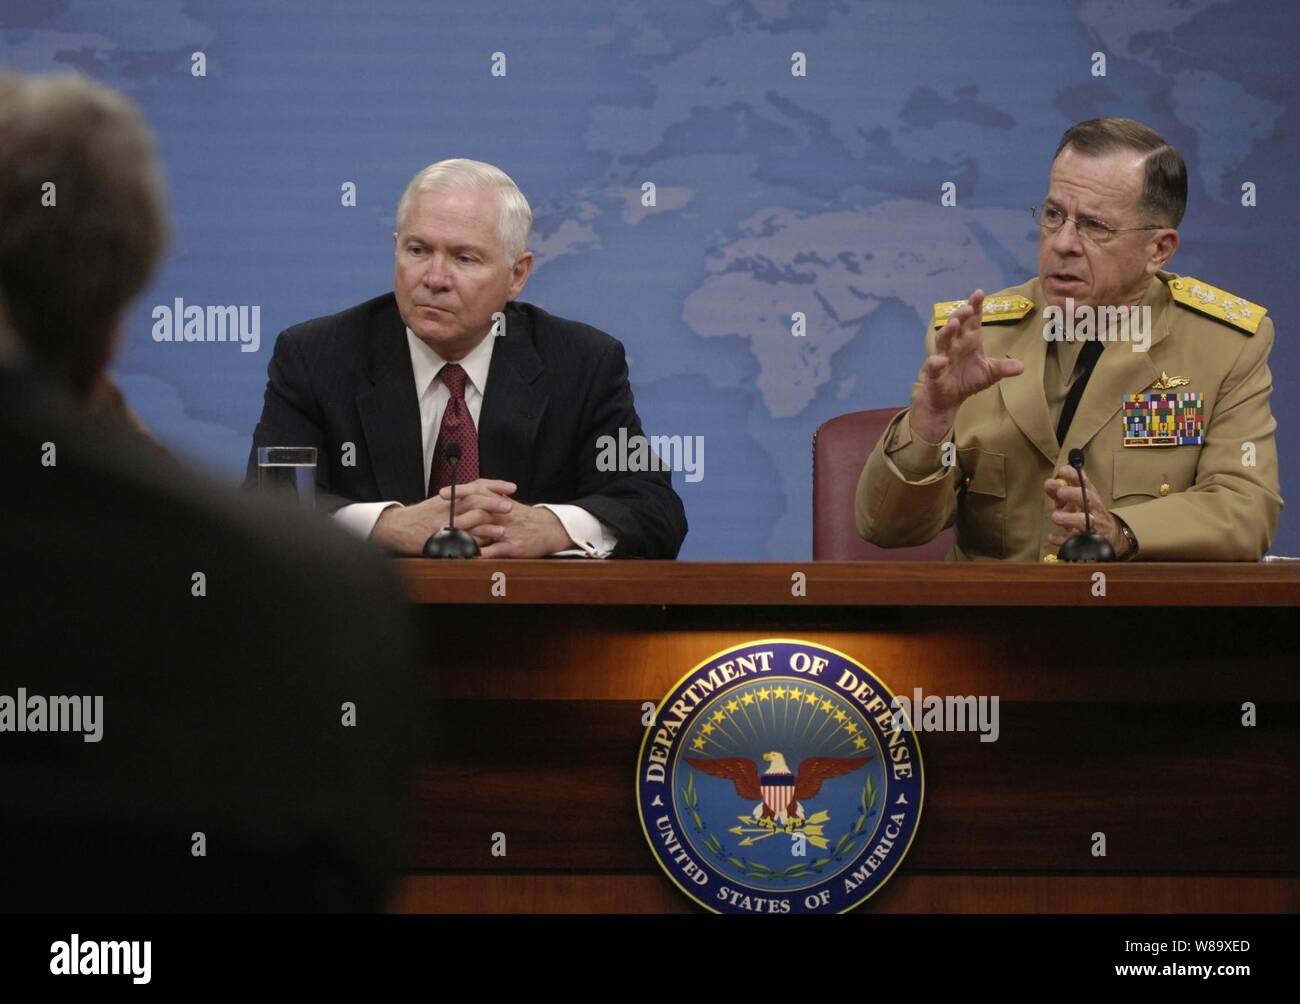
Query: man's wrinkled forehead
[471, 212]
[1099, 185]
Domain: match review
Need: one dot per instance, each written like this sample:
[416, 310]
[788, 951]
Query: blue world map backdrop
[775, 192]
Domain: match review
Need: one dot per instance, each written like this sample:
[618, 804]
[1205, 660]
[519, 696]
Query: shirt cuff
[359, 518]
[915, 457]
[592, 537]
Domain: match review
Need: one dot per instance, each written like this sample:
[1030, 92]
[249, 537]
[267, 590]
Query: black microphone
[1086, 546]
[450, 543]
[453, 457]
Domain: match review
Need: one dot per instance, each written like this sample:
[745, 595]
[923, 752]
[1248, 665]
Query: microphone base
[1086, 547]
[451, 543]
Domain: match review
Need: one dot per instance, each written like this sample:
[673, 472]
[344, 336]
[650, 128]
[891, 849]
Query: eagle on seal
[780, 790]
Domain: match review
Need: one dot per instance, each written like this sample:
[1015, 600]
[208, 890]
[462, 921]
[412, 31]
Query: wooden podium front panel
[1120, 719]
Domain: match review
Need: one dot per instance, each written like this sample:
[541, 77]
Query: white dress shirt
[592, 537]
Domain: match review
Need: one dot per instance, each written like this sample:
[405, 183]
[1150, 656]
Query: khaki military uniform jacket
[1218, 501]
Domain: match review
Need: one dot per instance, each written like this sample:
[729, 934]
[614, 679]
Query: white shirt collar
[427, 364]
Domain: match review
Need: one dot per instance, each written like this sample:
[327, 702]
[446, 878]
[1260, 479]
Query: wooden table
[1120, 713]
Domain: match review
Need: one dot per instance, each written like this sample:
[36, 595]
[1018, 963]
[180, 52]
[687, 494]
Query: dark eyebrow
[1049, 201]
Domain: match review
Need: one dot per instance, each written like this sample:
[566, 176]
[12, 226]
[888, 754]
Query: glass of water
[288, 473]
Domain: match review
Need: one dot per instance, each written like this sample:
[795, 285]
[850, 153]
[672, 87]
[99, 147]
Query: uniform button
[1049, 558]
[966, 483]
[1164, 489]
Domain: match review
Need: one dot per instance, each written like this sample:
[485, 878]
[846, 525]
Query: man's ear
[1162, 250]
[519, 273]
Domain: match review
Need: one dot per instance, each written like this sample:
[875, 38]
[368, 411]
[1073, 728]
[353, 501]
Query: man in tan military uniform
[1180, 462]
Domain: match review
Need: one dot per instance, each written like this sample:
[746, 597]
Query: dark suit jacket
[554, 387]
[222, 714]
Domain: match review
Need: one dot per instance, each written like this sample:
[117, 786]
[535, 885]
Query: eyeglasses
[1050, 219]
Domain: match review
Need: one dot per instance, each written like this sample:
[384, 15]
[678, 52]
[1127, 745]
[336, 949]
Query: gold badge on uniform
[1165, 418]
[1166, 382]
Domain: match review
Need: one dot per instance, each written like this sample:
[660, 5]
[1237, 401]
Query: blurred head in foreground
[180, 749]
[82, 221]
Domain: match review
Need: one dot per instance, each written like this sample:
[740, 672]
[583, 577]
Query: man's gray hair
[515, 221]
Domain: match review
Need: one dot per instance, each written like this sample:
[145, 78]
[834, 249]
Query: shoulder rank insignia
[1214, 302]
[1164, 418]
[997, 309]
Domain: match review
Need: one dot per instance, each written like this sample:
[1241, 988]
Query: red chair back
[840, 449]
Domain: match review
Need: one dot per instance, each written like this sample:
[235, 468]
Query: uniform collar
[1119, 371]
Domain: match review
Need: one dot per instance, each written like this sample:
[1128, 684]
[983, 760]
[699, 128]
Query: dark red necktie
[457, 427]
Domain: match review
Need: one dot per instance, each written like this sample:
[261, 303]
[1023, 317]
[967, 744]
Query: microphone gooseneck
[1086, 546]
[449, 542]
[453, 455]
[1076, 461]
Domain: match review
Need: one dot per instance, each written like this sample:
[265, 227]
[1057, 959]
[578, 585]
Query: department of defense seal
[778, 777]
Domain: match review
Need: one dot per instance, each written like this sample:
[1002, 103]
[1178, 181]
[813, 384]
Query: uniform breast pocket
[982, 507]
[1152, 472]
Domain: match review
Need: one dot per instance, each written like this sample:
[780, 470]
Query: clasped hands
[1068, 513]
[503, 527]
